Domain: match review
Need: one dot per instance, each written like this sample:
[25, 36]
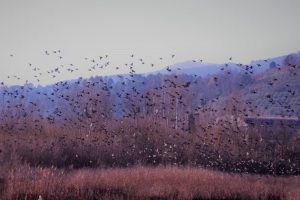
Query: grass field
[24, 182]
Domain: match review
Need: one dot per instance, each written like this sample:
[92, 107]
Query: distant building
[275, 130]
[272, 121]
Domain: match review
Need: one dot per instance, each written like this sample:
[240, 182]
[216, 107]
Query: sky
[211, 30]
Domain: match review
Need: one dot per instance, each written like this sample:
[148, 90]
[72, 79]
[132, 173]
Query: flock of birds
[94, 64]
[170, 82]
[173, 98]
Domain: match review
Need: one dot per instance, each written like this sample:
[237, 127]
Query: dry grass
[145, 183]
[126, 145]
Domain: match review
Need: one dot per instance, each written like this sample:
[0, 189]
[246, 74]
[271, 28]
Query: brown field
[25, 182]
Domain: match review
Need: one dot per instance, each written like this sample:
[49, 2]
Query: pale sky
[212, 30]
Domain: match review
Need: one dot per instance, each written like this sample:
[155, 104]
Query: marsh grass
[25, 182]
